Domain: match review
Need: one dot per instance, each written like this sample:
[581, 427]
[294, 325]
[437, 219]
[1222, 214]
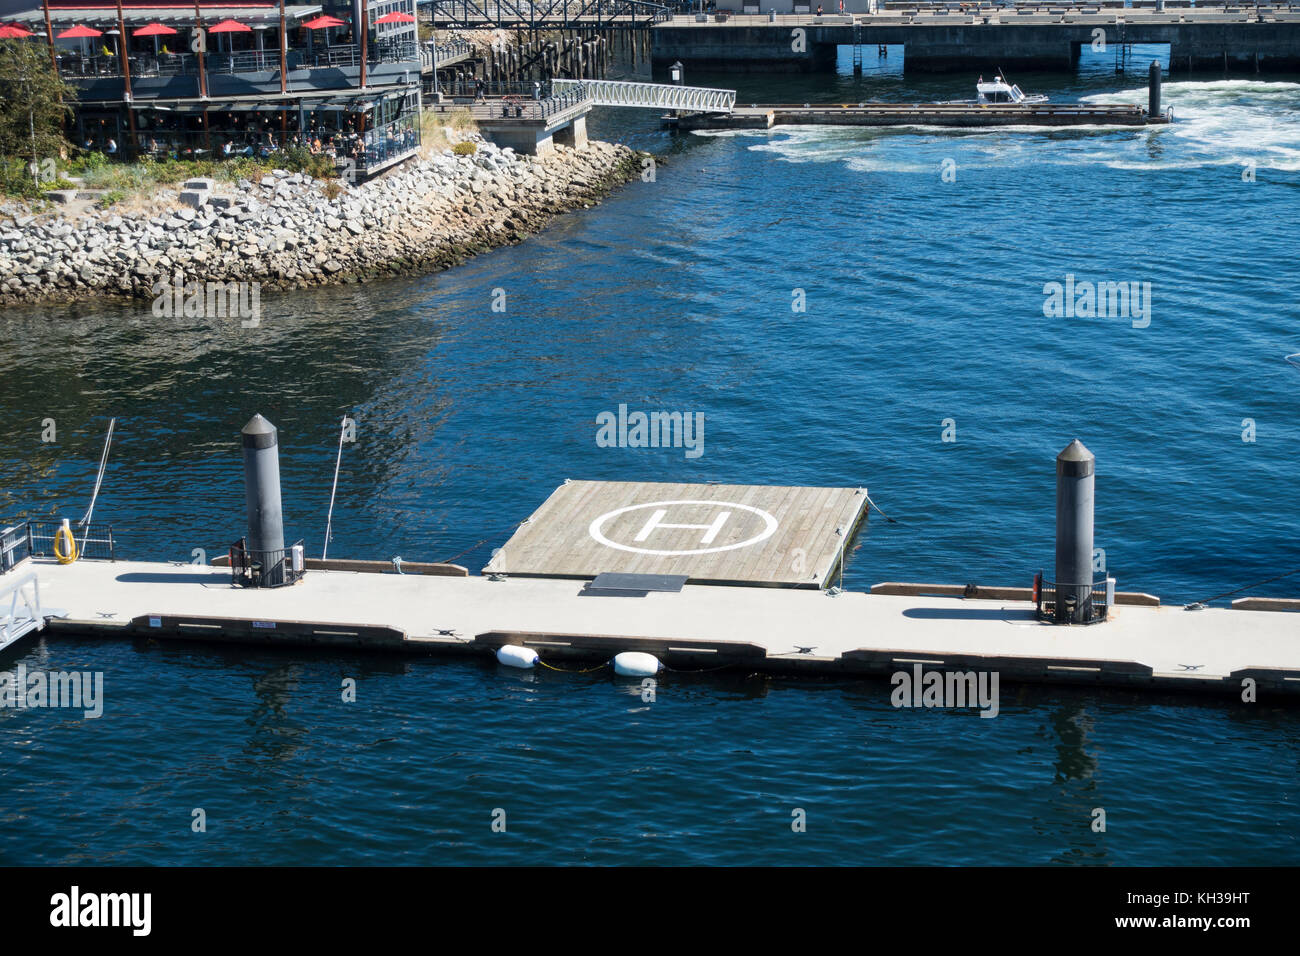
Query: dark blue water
[924, 303]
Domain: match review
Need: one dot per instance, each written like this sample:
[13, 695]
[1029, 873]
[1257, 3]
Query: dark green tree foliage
[34, 102]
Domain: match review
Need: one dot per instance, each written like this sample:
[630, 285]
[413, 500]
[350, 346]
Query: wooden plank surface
[771, 535]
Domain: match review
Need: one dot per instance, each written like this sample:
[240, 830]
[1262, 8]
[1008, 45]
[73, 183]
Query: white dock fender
[512, 655]
[636, 664]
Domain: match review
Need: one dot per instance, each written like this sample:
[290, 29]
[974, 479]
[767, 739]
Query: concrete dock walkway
[701, 626]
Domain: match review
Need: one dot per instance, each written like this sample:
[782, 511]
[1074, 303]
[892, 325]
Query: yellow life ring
[65, 534]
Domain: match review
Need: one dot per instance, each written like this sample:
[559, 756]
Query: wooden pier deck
[718, 534]
[766, 116]
[753, 628]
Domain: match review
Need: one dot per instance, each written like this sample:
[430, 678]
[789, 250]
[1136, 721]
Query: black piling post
[1075, 474]
[262, 485]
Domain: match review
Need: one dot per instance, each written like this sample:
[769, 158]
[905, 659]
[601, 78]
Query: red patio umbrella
[320, 23]
[153, 30]
[11, 31]
[230, 26]
[78, 31]
[396, 18]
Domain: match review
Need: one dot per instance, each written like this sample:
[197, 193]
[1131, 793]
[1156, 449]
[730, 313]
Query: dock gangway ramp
[657, 96]
[20, 606]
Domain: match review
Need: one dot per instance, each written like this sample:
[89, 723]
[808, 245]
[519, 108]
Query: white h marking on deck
[710, 530]
[597, 527]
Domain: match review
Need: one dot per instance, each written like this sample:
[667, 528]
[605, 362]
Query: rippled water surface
[924, 303]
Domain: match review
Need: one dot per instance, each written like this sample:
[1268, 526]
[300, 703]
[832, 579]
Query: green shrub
[465, 149]
[16, 179]
[88, 161]
[242, 167]
[299, 159]
[461, 119]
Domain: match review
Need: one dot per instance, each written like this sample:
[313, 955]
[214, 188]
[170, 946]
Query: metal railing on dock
[1059, 603]
[13, 546]
[94, 542]
[266, 569]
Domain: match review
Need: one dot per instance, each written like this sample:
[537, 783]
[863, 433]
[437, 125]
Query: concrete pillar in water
[262, 485]
[1153, 89]
[1075, 472]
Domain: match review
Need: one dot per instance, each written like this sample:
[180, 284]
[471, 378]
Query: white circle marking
[594, 529]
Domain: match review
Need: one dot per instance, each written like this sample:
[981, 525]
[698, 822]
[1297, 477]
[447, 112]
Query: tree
[34, 102]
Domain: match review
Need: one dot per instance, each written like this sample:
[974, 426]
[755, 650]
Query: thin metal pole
[99, 480]
[329, 520]
[283, 57]
[202, 48]
[363, 36]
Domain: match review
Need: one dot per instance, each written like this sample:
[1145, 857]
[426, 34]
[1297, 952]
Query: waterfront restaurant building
[213, 79]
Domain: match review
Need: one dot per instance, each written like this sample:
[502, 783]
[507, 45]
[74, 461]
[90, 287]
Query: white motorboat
[999, 91]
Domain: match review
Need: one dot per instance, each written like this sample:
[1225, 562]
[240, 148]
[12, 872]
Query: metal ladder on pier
[857, 47]
[1123, 50]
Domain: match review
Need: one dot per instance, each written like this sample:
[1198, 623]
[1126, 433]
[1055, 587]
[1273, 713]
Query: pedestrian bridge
[658, 96]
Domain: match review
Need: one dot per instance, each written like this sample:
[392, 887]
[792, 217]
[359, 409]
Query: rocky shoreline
[285, 232]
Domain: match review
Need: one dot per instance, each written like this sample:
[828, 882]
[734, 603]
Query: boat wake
[1244, 123]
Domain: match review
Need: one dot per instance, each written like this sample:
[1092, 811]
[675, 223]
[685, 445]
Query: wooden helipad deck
[774, 536]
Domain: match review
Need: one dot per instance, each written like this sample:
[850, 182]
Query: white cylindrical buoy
[512, 655]
[636, 664]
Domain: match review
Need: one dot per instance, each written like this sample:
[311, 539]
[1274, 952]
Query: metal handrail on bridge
[519, 105]
[447, 54]
[20, 607]
[661, 96]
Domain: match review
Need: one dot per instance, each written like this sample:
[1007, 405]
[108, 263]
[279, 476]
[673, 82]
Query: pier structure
[528, 124]
[978, 37]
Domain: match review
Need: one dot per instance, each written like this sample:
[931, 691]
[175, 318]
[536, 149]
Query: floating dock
[917, 114]
[754, 629]
[703, 577]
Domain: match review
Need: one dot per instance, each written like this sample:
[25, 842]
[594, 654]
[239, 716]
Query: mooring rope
[882, 514]
[479, 544]
[701, 670]
[466, 551]
[564, 670]
[1200, 605]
